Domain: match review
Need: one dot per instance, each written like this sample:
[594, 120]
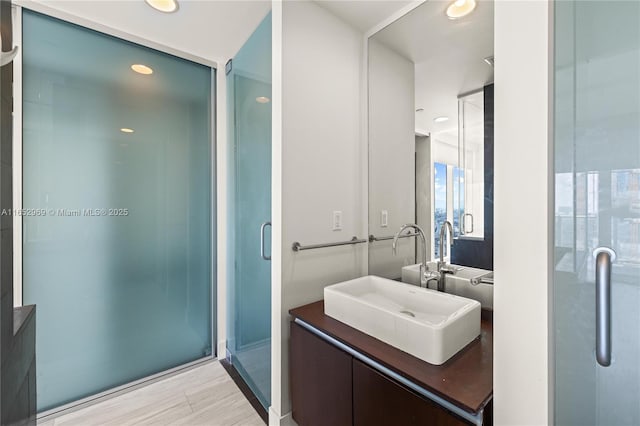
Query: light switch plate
[337, 220]
[384, 218]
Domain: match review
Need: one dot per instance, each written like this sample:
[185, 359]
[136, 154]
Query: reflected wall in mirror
[430, 118]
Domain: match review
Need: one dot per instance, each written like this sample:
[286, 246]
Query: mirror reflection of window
[440, 189]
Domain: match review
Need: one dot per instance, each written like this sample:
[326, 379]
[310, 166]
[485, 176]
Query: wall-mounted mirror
[430, 123]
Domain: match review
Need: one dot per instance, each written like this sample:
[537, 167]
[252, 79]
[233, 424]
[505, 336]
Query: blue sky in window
[440, 183]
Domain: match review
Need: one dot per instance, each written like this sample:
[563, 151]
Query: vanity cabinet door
[320, 381]
[380, 401]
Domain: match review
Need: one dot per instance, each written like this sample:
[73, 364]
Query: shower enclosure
[249, 289]
[117, 199]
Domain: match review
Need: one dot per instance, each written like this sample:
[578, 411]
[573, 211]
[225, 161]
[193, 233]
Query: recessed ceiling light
[142, 69]
[126, 130]
[166, 6]
[419, 109]
[460, 8]
[441, 119]
[262, 99]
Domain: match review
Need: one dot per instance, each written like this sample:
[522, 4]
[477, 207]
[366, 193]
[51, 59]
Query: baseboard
[276, 419]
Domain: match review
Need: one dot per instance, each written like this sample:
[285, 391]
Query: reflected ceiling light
[142, 69]
[262, 99]
[441, 119]
[126, 130]
[489, 60]
[460, 8]
[166, 6]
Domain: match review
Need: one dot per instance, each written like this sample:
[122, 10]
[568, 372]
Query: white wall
[391, 152]
[320, 159]
[522, 209]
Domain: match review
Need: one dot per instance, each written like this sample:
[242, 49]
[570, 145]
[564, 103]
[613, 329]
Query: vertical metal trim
[16, 12]
[551, 231]
[213, 246]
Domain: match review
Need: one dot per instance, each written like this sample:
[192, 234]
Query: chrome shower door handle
[262, 228]
[604, 257]
[7, 57]
[464, 223]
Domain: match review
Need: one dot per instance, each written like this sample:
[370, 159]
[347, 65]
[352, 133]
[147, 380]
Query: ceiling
[211, 29]
[363, 14]
[448, 56]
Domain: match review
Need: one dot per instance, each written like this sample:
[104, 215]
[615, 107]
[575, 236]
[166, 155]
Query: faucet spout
[442, 265]
[423, 241]
[446, 225]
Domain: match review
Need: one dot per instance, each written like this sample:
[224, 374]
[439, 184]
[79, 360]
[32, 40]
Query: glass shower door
[117, 196]
[597, 213]
[249, 319]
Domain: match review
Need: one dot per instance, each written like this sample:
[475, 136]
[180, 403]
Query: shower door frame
[17, 161]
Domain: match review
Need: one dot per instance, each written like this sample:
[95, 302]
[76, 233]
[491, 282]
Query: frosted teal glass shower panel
[120, 264]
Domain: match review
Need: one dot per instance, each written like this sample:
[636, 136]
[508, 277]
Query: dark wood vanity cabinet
[320, 381]
[330, 387]
[380, 401]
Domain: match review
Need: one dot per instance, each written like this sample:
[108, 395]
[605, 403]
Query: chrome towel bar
[299, 247]
[373, 238]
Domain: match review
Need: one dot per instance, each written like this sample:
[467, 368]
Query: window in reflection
[440, 189]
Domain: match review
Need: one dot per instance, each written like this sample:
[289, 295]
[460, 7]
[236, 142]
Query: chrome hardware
[443, 268]
[7, 57]
[423, 266]
[482, 279]
[262, 228]
[464, 223]
[373, 238]
[603, 256]
[299, 247]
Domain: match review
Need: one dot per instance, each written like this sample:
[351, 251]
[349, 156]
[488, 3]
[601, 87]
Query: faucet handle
[431, 274]
[486, 278]
[448, 269]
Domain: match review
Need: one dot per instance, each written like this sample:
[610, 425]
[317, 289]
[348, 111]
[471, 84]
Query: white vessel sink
[458, 283]
[427, 324]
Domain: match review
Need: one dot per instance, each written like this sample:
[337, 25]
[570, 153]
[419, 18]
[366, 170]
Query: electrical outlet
[337, 220]
[384, 218]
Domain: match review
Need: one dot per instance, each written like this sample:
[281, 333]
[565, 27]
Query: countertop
[466, 380]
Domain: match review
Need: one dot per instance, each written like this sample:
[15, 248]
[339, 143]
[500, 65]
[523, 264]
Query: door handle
[7, 57]
[262, 227]
[464, 223]
[603, 256]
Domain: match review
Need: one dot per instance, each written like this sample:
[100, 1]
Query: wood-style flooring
[205, 395]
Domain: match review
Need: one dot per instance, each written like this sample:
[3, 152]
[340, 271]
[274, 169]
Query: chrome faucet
[443, 268]
[486, 278]
[425, 274]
